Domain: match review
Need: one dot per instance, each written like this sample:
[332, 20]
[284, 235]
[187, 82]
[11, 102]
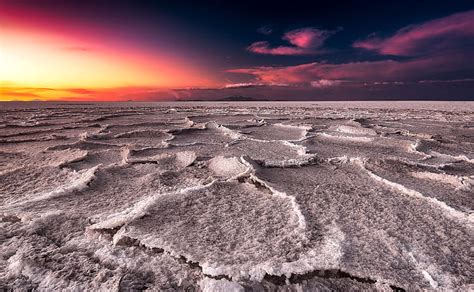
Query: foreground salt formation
[236, 197]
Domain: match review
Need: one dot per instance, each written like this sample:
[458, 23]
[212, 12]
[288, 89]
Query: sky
[211, 50]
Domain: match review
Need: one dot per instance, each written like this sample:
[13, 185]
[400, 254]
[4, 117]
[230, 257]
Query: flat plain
[237, 196]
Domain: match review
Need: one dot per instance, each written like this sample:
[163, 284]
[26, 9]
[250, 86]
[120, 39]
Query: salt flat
[237, 196]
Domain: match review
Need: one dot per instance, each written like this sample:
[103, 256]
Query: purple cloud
[304, 41]
[432, 36]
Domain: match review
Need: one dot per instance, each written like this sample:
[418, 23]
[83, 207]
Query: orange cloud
[18, 93]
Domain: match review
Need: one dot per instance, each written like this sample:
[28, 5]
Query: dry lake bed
[237, 196]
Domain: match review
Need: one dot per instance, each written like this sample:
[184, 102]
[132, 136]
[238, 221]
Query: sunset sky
[174, 50]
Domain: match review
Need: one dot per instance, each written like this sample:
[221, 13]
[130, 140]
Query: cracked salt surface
[236, 197]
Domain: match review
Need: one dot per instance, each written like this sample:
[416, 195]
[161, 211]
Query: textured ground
[222, 197]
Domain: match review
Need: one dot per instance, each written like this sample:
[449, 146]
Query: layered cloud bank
[367, 71]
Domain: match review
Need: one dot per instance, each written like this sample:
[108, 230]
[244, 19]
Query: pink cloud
[305, 41]
[441, 33]
[307, 37]
[369, 71]
[264, 48]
